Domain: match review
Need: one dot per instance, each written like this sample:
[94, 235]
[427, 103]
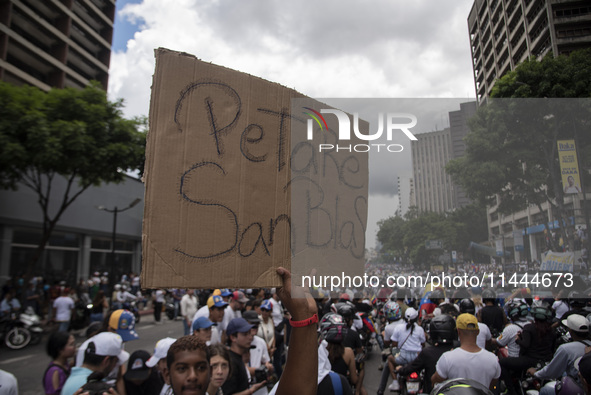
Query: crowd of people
[217, 356]
[235, 341]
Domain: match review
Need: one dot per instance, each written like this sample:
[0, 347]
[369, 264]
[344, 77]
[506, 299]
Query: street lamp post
[115, 211]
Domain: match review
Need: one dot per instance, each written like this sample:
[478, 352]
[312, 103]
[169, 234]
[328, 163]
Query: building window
[59, 260]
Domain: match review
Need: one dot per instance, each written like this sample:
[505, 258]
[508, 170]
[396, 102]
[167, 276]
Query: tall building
[458, 126]
[504, 33]
[56, 43]
[433, 187]
[65, 43]
[406, 193]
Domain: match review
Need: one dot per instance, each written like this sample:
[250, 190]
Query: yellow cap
[217, 292]
[467, 321]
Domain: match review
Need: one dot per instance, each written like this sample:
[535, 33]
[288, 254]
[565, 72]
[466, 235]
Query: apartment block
[504, 33]
[56, 43]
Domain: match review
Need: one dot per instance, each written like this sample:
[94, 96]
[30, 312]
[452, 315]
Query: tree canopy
[406, 237]
[511, 152]
[77, 134]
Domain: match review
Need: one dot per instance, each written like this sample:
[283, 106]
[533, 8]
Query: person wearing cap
[536, 341]
[121, 322]
[202, 328]
[188, 366]
[102, 354]
[214, 310]
[188, 309]
[234, 310]
[266, 327]
[565, 356]
[141, 379]
[158, 360]
[468, 361]
[240, 337]
[259, 355]
[226, 294]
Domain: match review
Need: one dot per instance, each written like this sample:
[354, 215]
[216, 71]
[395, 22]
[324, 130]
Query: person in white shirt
[158, 298]
[124, 297]
[277, 314]
[410, 339]
[266, 329]
[63, 311]
[189, 306]
[214, 310]
[202, 328]
[517, 312]
[560, 306]
[235, 307]
[9, 304]
[258, 355]
[9, 384]
[468, 361]
[484, 335]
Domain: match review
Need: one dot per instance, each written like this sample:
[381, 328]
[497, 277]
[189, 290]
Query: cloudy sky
[323, 49]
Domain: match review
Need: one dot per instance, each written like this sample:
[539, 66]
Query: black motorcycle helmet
[461, 387]
[467, 306]
[516, 310]
[488, 295]
[576, 300]
[345, 309]
[442, 329]
[333, 328]
[436, 295]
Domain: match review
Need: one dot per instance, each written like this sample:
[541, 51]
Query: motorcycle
[132, 307]
[530, 385]
[169, 308]
[411, 384]
[32, 322]
[81, 315]
[13, 332]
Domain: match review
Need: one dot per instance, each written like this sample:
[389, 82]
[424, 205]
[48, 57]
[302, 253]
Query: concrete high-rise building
[458, 125]
[433, 187]
[56, 43]
[504, 33]
[405, 195]
[65, 43]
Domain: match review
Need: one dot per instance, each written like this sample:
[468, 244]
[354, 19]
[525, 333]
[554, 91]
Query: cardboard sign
[218, 178]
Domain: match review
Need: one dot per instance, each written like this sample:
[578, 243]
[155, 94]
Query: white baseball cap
[160, 351]
[576, 322]
[108, 344]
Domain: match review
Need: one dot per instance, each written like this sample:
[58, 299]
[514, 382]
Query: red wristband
[306, 322]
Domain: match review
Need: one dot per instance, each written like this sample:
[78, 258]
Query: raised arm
[300, 376]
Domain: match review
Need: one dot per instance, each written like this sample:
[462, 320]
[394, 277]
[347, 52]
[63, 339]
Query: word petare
[344, 132]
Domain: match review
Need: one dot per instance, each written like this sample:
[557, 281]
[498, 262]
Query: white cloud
[331, 48]
[383, 48]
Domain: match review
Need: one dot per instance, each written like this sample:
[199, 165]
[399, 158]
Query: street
[29, 364]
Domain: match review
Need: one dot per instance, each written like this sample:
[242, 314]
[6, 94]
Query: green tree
[511, 153]
[407, 236]
[76, 134]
